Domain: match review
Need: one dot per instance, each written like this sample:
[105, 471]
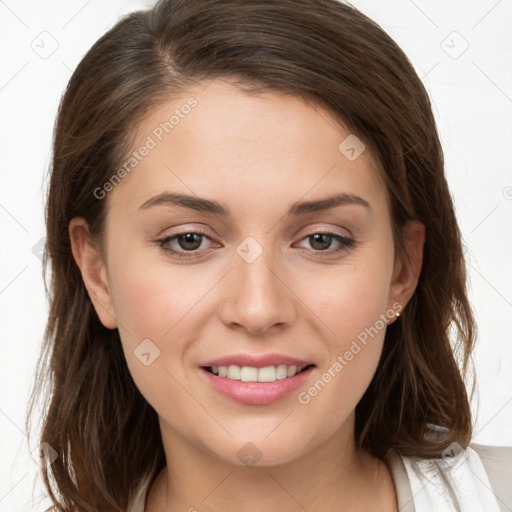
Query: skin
[256, 154]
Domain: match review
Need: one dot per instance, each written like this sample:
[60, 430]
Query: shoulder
[497, 461]
[462, 479]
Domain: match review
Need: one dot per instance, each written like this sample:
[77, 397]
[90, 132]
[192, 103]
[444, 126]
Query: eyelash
[346, 243]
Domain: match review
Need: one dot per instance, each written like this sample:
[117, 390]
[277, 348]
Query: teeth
[252, 374]
[281, 372]
[249, 374]
[291, 370]
[234, 372]
[267, 374]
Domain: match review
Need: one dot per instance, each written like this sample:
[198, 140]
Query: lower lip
[256, 393]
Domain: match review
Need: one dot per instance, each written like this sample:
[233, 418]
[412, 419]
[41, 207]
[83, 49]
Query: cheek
[150, 304]
[150, 298]
[351, 300]
[354, 308]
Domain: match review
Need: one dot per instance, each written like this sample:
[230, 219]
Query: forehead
[215, 140]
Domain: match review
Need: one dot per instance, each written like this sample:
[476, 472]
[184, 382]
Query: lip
[257, 361]
[256, 393]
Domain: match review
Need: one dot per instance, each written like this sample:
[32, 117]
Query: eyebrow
[212, 206]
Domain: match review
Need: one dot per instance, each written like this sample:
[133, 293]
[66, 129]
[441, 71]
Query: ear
[92, 267]
[407, 270]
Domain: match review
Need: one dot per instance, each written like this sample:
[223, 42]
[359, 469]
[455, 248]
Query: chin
[260, 451]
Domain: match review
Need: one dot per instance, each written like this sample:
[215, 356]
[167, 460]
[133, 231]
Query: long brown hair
[105, 433]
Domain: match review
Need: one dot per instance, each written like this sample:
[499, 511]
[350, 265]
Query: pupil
[190, 238]
[323, 239]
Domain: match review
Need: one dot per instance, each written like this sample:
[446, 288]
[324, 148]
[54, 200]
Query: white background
[472, 97]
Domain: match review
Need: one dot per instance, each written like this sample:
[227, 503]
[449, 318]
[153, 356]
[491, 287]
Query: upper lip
[257, 361]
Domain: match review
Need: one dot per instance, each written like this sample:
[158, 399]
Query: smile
[253, 374]
[256, 386]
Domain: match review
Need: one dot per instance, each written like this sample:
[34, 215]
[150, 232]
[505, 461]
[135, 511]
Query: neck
[325, 477]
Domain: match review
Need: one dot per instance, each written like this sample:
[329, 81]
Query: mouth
[253, 385]
[252, 374]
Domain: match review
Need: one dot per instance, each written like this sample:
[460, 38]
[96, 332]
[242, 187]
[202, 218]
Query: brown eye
[184, 245]
[190, 241]
[320, 241]
[323, 243]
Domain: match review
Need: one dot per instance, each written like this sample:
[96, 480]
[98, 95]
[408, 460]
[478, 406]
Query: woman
[256, 273]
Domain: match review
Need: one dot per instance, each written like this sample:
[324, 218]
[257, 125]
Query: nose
[256, 296]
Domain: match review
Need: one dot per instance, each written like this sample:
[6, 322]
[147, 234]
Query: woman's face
[266, 272]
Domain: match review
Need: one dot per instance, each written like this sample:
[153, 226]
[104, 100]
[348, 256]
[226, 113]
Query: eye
[322, 241]
[184, 245]
[191, 244]
[189, 241]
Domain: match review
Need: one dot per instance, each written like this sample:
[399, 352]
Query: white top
[478, 479]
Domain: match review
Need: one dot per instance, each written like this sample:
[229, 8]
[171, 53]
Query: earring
[392, 319]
